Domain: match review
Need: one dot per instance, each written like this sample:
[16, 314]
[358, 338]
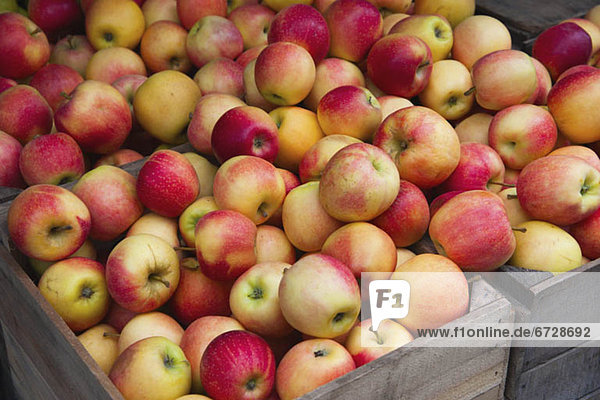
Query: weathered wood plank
[7, 390]
[595, 395]
[8, 193]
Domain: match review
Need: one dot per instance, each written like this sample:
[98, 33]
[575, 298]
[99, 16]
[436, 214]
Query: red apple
[191, 11]
[253, 22]
[128, 85]
[73, 51]
[221, 75]
[119, 158]
[54, 17]
[315, 159]
[10, 151]
[24, 113]
[118, 316]
[389, 336]
[249, 55]
[55, 80]
[213, 37]
[6, 83]
[586, 232]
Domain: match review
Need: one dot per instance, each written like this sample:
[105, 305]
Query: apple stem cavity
[512, 196]
[65, 95]
[338, 317]
[261, 210]
[470, 91]
[251, 384]
[87, 292]
[108, 36]
[111, 334]
[510, 185]
[183, 248]
[58, 229]
[320, 353]
[159, 279]
[522, 230]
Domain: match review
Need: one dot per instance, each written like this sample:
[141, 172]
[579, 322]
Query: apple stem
[319, 353]
[190, 263]
[58, 229]
[512, 196]
[190, 115]
[510, 185]
[522, 230]
[65, 95]
[474, 278]
[70, 42]
[159, 279]
[36, 31]
[379, 340]
[470, 91]
[111, 334]
[183, 248]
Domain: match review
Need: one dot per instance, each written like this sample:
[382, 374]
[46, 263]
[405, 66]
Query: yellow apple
[114, 23]
[514, 211]
[474, 128]
[434, 30]
[104, 349]
[455, 11]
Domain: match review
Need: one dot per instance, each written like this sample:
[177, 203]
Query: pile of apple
[329, 137]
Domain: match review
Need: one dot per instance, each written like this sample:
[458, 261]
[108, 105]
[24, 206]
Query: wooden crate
[46, 361]
[8, 193]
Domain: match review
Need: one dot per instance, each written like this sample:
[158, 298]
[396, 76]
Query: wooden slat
[8, 193]
[7, 390]
[595, 395]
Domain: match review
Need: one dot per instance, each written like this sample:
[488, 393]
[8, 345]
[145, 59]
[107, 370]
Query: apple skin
[196, 338]
[221, 75]
[439, 292]
[76, 289]
[284, 73]
[162, 47]
[252, 95]
[514, 211]
[249, 55]
[205, 171]
[310, 364]
[128, 85]
[326, 309]
[192, 214]
[54, 79]
[521, 134]
[389, 336]
[358, 183]
[354, 26]
[10, 152]
[96, 130]
[54, 159]
[570, 101]
[56, 18]
[197, 295]
[149, 324]
[559, 189]
[544, 84]
[533, 252]
[392, 19]
[160, 10]
[86, 250]
[316, 157]
[423, 144]
[238, 365]
[225, 244]
[254, 300]
[561, 47]
[109, 64]
[213, 37]
[272, 245]
[583, 152]
[157, 225]
[400, 65]
[118, 317]
[253, 22]
[167, 183]
[585, 233]
[110, 194]
[479, 165]
[23, 45]
[24, 113]
[407, 219]
[291, 181]
[119, 158]
[6, 83]
[206, 114]
[191, 11]
[114, 23]
[474, 128]
[454, 11]
[491, 73]
[349, 110]
[42, 208]
[153, 368]
[249, 185]
[472, 229]
[73, 51]
[389, 104]
[303, 25]
[103, 349]
[142, 272]
[245, 130]
[575, 70]
[434, 30]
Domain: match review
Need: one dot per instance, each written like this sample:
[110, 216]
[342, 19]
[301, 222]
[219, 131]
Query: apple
[326, 308]
[392, 19]
[354, 26]
[402, 256]
[559, 189]
[575, 70]
[364, 345]
[407, 219]
[249, 185]
[6, 83]
[160, 10]
[358, 183]
[163, 105]
[192, 214]
[331, 73]
[152, 368]
[149, 324]
[225, 244]
[278, 5]
[585, 233]
[54, 159]
[238, 365]
[104, 349]
[196, 338]
[454, 11]
[400, 65]
[167, 183]
[439, 292]
[562, 46]
[54, 79]
[272, 245]
[24, 113]
[303, 25]
[157, 225]
[23, 44]
[142, 272]
[96, 129]
[128, 85]
[114, 23]
[162, 47]
[472, 229]
[76, 289]
[477, 36]
[474, 128]
[291, 181]
[570, 101]
[254, 299]
[191, 11]
[440, 200]
[249, 55]
[533, 252]
[480, 167]
[316, 157]
[252, 95]
[119, 158]
[221, 75]
[213, 37]
[197, 295]
[389, 104]
[73, 51]
[514, 211]
[428, 160]
[583, 152]
[521, 134]
[10, 152]
[253, 22]
[208, 110]
[274, 77]
[117, 317]
[86, 250]
[55, 18]
[349, 110]
[48, 222]
[205, 171]
[310, 364]
[544, 84]
[434, 30]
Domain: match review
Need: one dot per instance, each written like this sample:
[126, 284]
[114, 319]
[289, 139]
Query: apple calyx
[256, 294]
[522, 230]
[108, 36]
[470, 91]
[251, 384]
[320, 353]
[175, 63]
[87, 292]
[157, 278]
[168, 361]
[111, 334]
